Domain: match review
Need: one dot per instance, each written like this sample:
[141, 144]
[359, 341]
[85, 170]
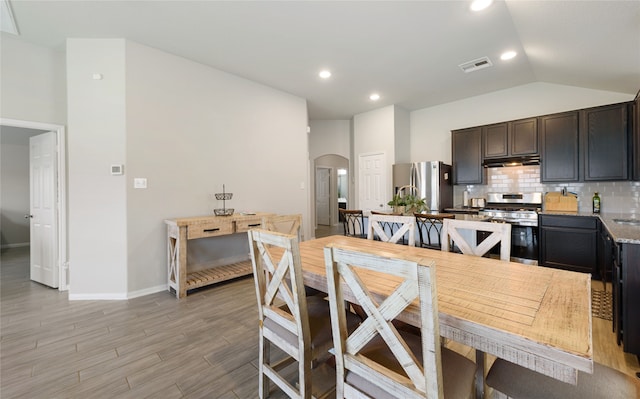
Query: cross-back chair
[377, 360]
[297, 325]
[388, 227]
[510, 380]
[430, 229]
[406, 224]
[287, 224]
[464, 234]
[353, 222]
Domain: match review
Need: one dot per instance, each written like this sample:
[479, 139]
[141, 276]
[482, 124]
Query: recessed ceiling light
[478, 5]
[325, 74]
[508, 55]
[374, 97]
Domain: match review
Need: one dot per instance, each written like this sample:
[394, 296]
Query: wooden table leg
[480, 374]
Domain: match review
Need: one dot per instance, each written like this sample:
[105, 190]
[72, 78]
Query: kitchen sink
[634, 222]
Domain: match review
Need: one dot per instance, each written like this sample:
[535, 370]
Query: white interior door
[373, 182]
[43, 176]
[323, 196]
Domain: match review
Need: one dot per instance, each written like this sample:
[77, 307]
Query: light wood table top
[537, 317]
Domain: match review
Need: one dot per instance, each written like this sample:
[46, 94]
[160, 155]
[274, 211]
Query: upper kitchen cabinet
[511, 139]
[496, 140]
[559, 147]
[466, 145]
[635, 129]
[604, 140]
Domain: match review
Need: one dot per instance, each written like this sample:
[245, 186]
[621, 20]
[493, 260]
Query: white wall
[33, 82]
[330, 137]
[188, 129]
[96, 139]
[402, 135]
[374, 132]
[191, 129]
[431, 127]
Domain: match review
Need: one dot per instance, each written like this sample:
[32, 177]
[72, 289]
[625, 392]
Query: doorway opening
[332, 188]
[58, 238]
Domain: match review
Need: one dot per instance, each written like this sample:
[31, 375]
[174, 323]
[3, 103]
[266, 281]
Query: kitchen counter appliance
[432, 180]
[521, 211]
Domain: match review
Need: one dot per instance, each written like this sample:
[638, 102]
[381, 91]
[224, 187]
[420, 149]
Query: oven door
[524, 242]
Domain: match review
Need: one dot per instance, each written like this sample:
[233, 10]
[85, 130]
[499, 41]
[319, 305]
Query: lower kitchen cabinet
[606, 256]
[626, 296]
[569, 242]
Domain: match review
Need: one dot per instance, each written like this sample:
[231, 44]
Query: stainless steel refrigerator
[432, 180]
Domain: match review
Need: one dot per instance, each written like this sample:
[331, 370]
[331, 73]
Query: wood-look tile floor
[156, 346]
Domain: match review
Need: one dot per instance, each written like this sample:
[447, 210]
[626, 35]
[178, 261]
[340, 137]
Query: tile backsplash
[619, 196]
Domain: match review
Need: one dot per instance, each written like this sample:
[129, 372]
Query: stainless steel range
[521, 211]
[515, 208]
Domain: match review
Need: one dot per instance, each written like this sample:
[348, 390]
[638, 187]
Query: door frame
[331, 191]
[61, 189]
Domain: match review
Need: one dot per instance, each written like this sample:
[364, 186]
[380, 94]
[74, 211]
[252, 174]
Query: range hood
[511, 161]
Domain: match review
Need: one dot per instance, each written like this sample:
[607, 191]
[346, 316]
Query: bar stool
[428, 223]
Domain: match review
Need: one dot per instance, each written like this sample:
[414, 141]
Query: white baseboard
[98, 297]
[147, 291]
[118, 296]
[18, 245]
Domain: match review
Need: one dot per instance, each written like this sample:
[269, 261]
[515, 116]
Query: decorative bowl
[224, 196]
[223, 211]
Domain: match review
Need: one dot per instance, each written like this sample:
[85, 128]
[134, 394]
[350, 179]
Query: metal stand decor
[224, 196]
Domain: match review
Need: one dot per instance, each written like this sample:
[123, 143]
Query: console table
[180, 231]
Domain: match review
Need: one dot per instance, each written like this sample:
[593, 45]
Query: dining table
[536, 317]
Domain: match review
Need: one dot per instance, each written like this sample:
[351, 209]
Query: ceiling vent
[475, 65]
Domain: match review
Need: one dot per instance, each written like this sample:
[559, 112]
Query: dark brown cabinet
[635, 129]
[496, 140]
[560, 150]
[466, 147]
[626, 296]
[511, 139]
[569, 242]
[604, 138]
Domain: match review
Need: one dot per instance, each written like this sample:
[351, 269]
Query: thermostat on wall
[117, 170]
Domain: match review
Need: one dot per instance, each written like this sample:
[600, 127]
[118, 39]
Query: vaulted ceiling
[408, 52]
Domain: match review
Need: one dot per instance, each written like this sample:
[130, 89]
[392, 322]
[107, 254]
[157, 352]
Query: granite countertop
[620, 232]
[463, 209]
[476, 218]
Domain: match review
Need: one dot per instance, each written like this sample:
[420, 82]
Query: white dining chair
[287, 224]
[405, 224]
[377, 360]
[299, 326]
[464, 234]
[509, 380]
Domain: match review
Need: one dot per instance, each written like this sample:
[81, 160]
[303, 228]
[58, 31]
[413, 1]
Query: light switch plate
[139, 182]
